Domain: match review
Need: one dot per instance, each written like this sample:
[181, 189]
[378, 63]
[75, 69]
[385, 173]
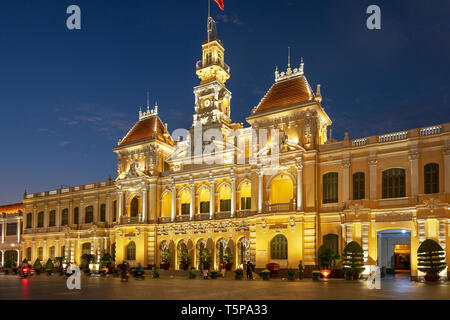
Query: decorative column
[57, 249]
[108, 209]
[144, 203]
[3, 258]
[96, 209]
[212, 195]
[260, 190]
[46, 215]
[349, 232]
[44, 256]
[70, 212]
[99, 248]
[174, 203]
[299, 184]
[18, 257]
[233, 195]
[120, 193]
[58, 214]
[66, 248]
[443, 232]
[414, 165]
[446, 152]
[3, 231]
[346, 180]
[33, 251]
[34, 217]
[365, 240]
[192, 205]
[18, 230]
[421, 230]
[81, 212]
[373, 177]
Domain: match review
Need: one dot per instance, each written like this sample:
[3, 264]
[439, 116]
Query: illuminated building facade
[319, 191]
[11, 226]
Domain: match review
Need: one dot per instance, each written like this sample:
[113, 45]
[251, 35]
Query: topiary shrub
[431, 259]
[228, 259]
[353, 259]
[49, 266]
[185, 259]
[37, 266]
[326, 257]
[205, 259]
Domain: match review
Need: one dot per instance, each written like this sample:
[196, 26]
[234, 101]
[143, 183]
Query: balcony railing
[245, 213]
[182, 218]
[279, 207]
[130, 220]
[164, 219]
[202, 216]
[223, 215]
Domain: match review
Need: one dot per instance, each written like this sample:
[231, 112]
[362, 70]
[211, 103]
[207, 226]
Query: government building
[273, 191]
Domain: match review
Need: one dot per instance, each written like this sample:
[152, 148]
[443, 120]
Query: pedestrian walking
[249, 270]
[223, 269]
[205, 274]
[300, 270]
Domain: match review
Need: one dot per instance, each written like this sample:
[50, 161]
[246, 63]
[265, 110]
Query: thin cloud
[63, 143]
[230, 18]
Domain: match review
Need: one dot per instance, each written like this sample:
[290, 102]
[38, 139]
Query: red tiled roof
[285, 93]
[11, 208]
[145, 129]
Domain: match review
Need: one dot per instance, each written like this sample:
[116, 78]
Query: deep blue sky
[66, 97]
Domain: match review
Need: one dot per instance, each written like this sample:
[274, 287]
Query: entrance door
[394, 250]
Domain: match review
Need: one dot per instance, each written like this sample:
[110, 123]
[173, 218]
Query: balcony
[223, 215]
[182, 218]
[245, 213]
[202, 216]
[131, 220]
[279, 207]
[200, 65]
[163, 219]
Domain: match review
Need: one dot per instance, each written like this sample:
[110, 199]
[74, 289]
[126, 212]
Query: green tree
[37, 265]
[228, 256]
[326, 257]
[353, 258]
[185, 259]
[431, 257]
[205, 258]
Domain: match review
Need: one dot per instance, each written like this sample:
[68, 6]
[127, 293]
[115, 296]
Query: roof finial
[302, 66]
[289, 57]
[156, 107]
[318, 94]
[148, 100]
[277, 74]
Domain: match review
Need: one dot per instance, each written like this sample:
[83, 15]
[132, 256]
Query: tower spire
[289, 57]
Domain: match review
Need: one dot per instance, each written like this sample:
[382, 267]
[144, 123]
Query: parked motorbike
[25, 272]
[138, 275]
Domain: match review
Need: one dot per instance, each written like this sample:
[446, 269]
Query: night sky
[66, 97]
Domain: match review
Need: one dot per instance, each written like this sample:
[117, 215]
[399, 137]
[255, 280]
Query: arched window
[52, 252]
[115, 210]
[29, 220]
[281, 189]
[41, 219]
[52, 218]
[76, 214]
[279, 247]
[41, 253]
[431, 178]
[393, 183]
[225, 198]
[330, 187]
[331, 241]
[89, 214]
[103, 212]
[131, 251]
[166, 205]
[358, 186]
[134, 207]
[204, 200]
[65, 217]
[221, 246]
[86, 248]
[29, 253]
[246, 196]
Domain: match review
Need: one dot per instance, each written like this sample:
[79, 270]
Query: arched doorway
[243, 252]
[394, 251]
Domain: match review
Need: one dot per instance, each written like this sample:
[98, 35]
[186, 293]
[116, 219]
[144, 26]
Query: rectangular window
[1, 229]
[330, 187]
[63, 251]
[41, 253]
[246, 203]
[52, 253]
[204, 207]
[358, 186]
[65, 217]
[225, 205]
[103, 213]
[11, 229]
[29, 220]
[29, 253]
[185, 208]
[114, 210]
[52, 221]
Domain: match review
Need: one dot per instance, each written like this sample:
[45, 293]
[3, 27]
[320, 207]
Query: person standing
[249, 270]
[300, 270]
[223, 269]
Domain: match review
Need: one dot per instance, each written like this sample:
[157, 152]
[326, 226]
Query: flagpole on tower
[209, 18]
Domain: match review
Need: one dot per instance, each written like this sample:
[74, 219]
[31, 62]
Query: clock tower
[212, 98]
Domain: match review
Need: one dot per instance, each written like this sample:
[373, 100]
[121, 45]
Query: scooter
[124, 277]
[25, 272]
[139, 275]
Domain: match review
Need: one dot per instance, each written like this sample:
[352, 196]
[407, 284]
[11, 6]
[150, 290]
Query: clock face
[207, 103]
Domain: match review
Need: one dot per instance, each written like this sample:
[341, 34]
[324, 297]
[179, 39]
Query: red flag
[220, 3]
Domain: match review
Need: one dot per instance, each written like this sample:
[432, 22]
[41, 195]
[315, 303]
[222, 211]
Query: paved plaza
[45, 287]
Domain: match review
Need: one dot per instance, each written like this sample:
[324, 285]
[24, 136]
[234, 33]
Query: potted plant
[37, 266]
[192, 273]
[9, 266]
[228, 259]
[316, 275]
[239, 274]
[265, 274]
[291, 274]
[49, 267]
[215, 274]
[155, 272]
[165, 260]
[86, 261]
[353, 259]
[185, 260]
[326, 258]
[205, 259]
[348, 275]
[431, 259]
[273, 268]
